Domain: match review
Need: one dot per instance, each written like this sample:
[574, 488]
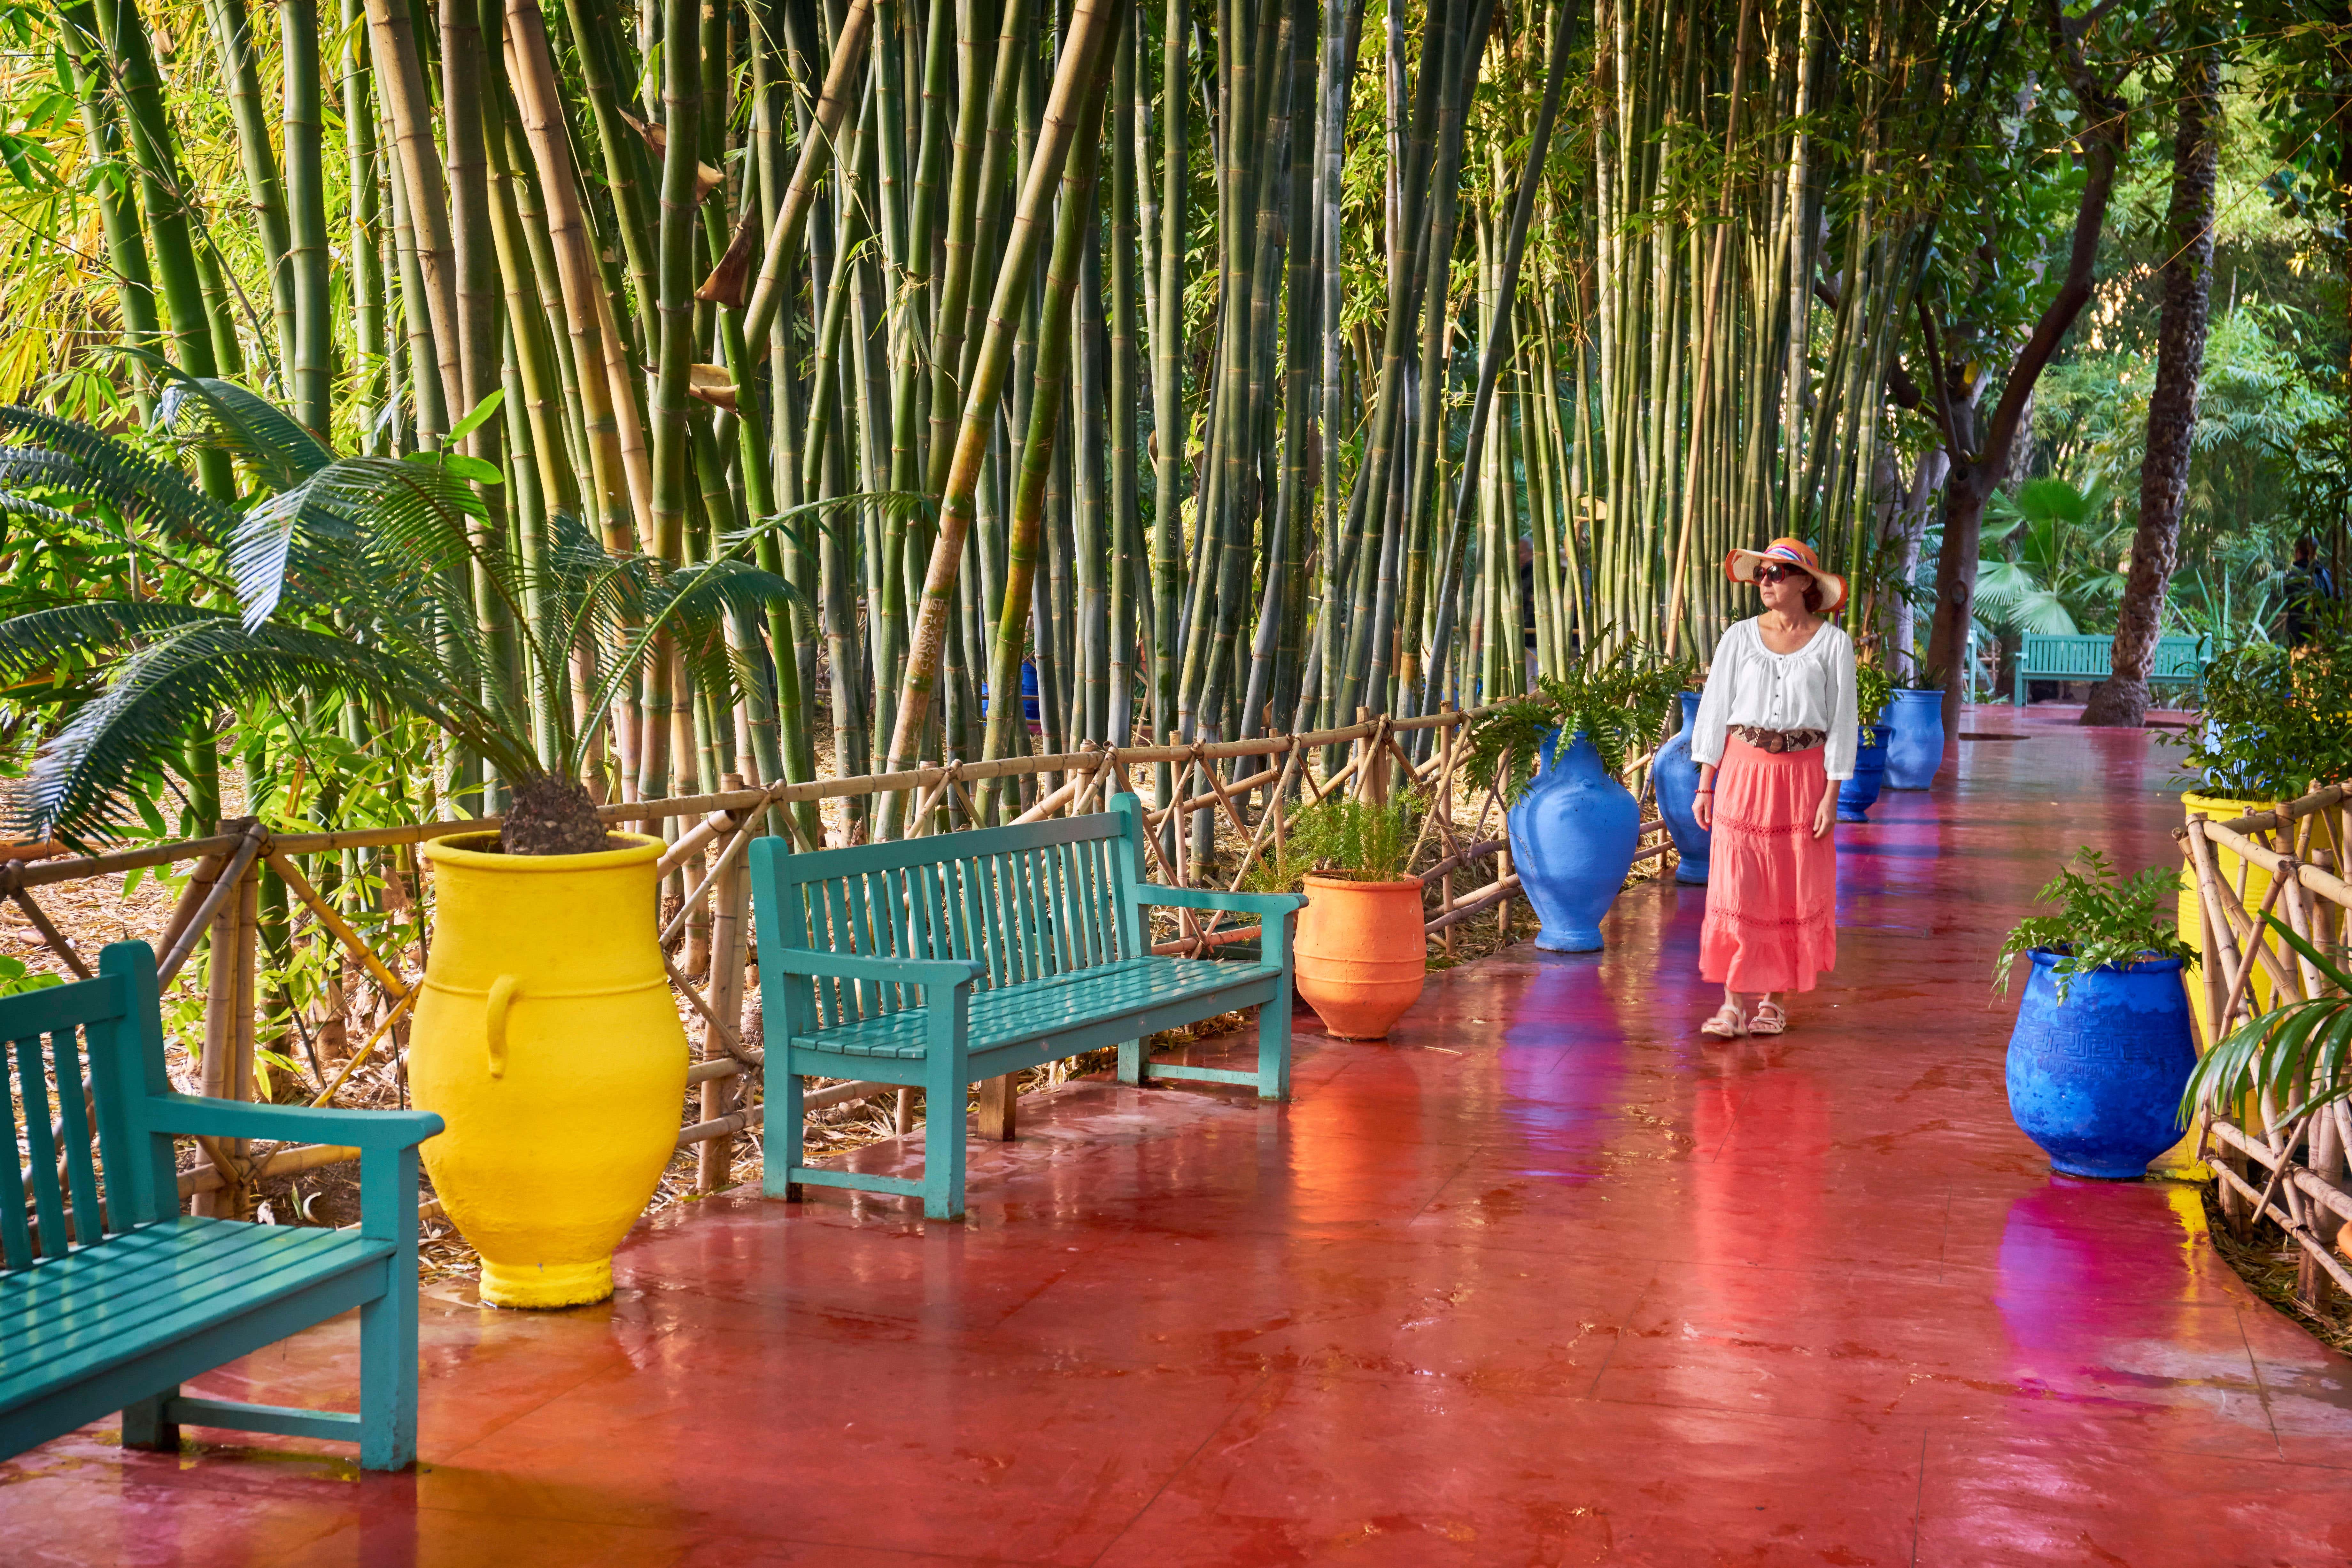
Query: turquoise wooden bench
[109, 1296]
[2054, 655]
[940, 963]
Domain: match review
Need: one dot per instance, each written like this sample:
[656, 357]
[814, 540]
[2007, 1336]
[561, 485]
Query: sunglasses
[1777, 573]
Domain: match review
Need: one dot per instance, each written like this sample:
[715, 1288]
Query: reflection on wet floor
[1546, 1280]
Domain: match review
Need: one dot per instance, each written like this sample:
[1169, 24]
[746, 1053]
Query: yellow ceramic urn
[547, 1039]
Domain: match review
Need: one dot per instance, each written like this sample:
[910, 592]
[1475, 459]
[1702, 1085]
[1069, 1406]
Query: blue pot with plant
[1676, 777]
[1857, 794]
[2103, 1049]
[1915, 747]
[1573, 824]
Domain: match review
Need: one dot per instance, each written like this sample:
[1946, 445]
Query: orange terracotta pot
[1360, 955]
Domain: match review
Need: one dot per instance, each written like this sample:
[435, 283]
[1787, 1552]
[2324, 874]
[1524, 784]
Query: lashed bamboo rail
[2300, 1157]
[221, 895]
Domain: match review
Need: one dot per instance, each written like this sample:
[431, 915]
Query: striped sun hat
[1740, 567]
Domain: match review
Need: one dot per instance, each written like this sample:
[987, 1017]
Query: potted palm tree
[1360, 956]
[545, 1035]
[1557, 757]
[2102, 1049]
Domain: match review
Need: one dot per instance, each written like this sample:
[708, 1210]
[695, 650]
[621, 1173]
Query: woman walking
[1775, 733]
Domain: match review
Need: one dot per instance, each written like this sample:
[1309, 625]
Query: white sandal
[1729, 1023]
[1771, 1018]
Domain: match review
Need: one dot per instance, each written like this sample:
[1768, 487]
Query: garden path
[1546, 1280]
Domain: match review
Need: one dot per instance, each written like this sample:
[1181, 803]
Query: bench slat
[65, 1285]
[31, 1087]
[1044, 1007]
[147, 1312]
[192, 1258]
[65, 1050]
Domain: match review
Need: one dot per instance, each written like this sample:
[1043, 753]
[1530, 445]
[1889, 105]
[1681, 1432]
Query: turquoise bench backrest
[1029, 901]
[82, 1059]
[2090, 657]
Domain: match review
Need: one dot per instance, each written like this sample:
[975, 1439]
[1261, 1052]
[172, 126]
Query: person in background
[2310, 593]
[1775, 733]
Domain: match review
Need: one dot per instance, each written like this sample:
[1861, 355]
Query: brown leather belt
[1780, 741]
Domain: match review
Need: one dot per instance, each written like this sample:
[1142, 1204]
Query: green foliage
[356, 583]
[2298, 1055]
[1873, 691]
[1617, 700]
[1341, 833]
[2047, 565]
[16, 976]
[2101, 921]
[2273, 725]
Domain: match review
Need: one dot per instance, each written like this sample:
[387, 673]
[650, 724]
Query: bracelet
[1708, 790]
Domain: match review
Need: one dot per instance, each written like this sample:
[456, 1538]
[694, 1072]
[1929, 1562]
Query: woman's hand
[1826, 813]
[1703, 808]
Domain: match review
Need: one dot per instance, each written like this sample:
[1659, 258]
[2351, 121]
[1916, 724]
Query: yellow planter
[547, 1039]
[2218, 809]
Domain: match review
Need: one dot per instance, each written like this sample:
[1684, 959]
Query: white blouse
[1811, 689]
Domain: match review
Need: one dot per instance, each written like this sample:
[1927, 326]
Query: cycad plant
[376, 581]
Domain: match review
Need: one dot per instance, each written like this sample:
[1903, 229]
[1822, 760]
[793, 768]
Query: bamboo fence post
[216, 1068]
[730, 900]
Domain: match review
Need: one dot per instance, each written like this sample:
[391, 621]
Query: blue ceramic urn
[1916, 748]
[1676, 777]
[1572, 839]
[2097, 1079]
[1857, 794]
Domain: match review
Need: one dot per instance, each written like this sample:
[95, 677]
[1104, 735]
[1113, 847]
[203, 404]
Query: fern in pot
[2103, 1048]
[1359, 958]
[1559, 758]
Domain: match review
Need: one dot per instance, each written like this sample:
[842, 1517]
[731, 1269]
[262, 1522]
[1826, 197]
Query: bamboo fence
[707, 936]
[2298, 1157]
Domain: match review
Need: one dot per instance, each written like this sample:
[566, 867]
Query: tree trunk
[2123, 699]
[1976, 470]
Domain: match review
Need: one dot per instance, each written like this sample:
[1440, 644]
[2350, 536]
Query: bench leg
[1131, 1063]
[943, 1143]
[143, 1425]
[388, 1344]
[388, 1376]
[782, 1151]
[1000, 1114]
[1273, 1047]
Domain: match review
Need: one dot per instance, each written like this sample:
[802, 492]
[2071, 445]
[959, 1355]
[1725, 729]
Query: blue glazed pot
[2095, 1080]
[1916, 748]
[1677, 780]
[1857, 794]
[1572, 839]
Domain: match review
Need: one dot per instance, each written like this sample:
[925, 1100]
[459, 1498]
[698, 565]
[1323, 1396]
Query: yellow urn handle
[502, 995]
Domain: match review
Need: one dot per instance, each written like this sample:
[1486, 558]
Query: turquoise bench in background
[2053, 656]
[109, 1297]
[943, 962]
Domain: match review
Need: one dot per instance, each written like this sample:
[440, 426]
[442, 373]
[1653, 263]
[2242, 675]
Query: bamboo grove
[1236, 366]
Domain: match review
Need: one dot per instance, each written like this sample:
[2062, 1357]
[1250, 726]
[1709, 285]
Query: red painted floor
[1544, 1280]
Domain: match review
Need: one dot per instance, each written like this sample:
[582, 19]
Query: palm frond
[77, 459]
[205, 411]
[212, 664]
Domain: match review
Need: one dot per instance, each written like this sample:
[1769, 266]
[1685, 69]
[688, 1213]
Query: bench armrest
[820, 964]
[193, 1116]
[1208, 898]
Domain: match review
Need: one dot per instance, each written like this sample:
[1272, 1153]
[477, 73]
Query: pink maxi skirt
[1771, 886]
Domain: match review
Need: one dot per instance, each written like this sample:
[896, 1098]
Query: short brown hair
[1812, 593]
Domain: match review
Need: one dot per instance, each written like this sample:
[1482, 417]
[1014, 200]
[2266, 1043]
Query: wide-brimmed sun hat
[1740, 567]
